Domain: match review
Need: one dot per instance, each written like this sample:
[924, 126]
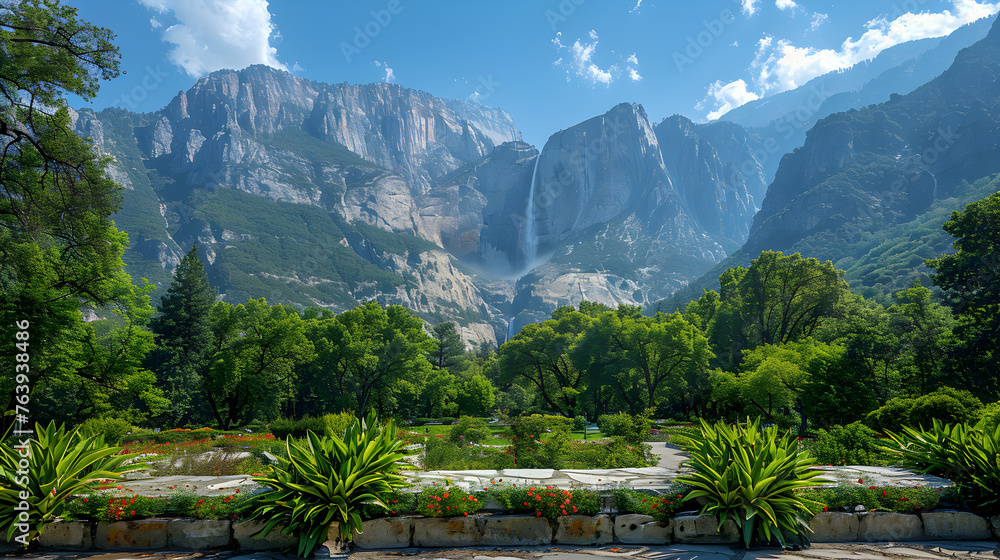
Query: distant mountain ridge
[330, 194]
[871, 169]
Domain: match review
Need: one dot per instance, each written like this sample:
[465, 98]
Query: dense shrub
[284, 427]
[113, 429]
[854, 444]
[848, 496]
[447, 501]
[892, 416]
[440, 454]
[661, 507]
[990, 414]
[552, 502]
[951, 406]
[125, 507]
[176, 436]
[614, 424]
[397, 503]
[936, 406]
[469, 430]
[540, 442]
[334, 425]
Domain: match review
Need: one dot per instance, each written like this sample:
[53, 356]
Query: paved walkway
[670, 455]
[853, 551]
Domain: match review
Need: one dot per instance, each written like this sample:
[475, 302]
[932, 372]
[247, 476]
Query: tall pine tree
[184, 339]
[450, 350]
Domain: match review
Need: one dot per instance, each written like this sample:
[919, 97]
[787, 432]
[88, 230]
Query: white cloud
[724, 97]
[636, 8]
[296, 68]
[213, 34]
[783, 66]
[750, 7]
[389, 76]
[581, 62]
[818, 20]
[634, 74]
[632, 59]
[786, 4]
[155, 23]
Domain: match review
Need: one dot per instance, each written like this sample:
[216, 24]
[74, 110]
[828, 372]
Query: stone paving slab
[882, 476]
[200, 485]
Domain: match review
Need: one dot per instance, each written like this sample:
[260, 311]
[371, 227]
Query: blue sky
[549, 63]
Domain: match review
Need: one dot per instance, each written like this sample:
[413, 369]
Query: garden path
[650, 478]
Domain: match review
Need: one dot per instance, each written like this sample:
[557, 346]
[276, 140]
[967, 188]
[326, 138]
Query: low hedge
[846, 497]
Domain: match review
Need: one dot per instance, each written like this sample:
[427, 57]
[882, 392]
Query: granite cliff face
[242, 145]
[329, 194]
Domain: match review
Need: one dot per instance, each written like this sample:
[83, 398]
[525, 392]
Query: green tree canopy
[451, 349]
[60, 253]
[538, 357]
[971, 280]
[256, 348]
[640, 358]
[184, 339]
[368, 358]
[779, 299]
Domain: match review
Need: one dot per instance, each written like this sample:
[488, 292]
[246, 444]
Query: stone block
[704, 529]
[516, 530]
[385, 532]
[642, 529]
[243, 532]
[882, 526]
[995, 521]
[955, 526]
[446, 532]
[144, 533]
[198, 534]
[66, 535]
[582, 529]
[833, 527]
[332, 548]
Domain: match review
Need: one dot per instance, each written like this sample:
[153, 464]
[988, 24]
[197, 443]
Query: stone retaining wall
[510, 530]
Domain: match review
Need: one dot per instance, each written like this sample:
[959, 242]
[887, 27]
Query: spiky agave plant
[59, 464]
[327, 479]
[750, 474]
[967, 455]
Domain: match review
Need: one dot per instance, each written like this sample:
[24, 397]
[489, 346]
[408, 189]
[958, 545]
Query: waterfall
[510, 328]
[530, 239]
